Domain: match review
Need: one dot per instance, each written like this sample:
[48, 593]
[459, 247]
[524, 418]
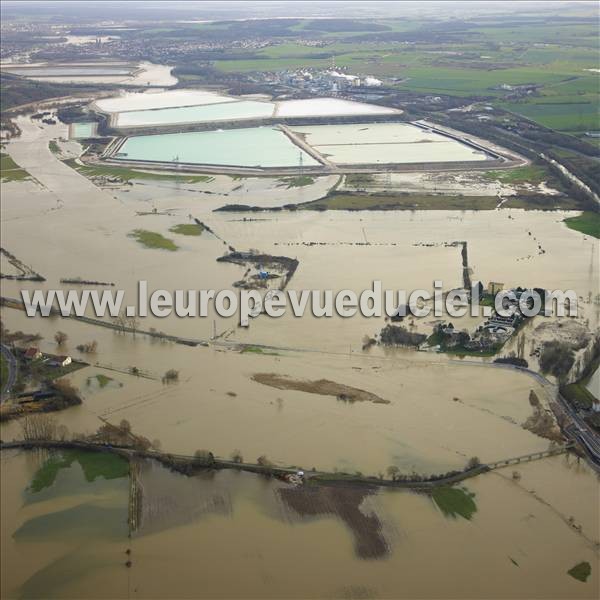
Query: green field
[587, 222]
[557, 56]
[93, 464]
[581, 571]
[455, 502]
[187, 229]
[530, 174]
[152, 239]
[342, 201]
[10, 170]
[3, 370]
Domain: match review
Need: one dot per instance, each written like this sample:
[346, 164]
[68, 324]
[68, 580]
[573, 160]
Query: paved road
[12, 372]
[579, 431]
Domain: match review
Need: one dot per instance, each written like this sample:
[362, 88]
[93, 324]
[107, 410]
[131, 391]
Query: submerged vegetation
[126, 174]
[152, 239]
[294, 182]
[102, 381]
[93, 465]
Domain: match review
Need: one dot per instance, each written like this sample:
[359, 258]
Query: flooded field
[348, 543]
[228, 147]
[377, 409]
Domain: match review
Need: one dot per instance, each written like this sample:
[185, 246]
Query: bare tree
[38, 427]
[89, 347]
[170, 376]
[60, 337]
[133, 323]
[472, 463]
[393, 471]
[236, 456]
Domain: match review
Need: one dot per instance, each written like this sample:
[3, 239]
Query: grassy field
[581, 571]
[408, 201]
[578, 395]
[454, 502]
[533, 174]
[342, 201]
[187, 229]
[587, 222]
[294, 182]
[101, 381]
[10, 170]
[3, 370]
[93, 464]
[152, 239]
[482, 58]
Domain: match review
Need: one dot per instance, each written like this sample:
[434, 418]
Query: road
[578, 431]
[12, 371]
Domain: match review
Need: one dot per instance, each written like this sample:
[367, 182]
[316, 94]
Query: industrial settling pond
[270, 147]
[251, 147]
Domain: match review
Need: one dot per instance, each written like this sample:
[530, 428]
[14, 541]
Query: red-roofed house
[32, 353]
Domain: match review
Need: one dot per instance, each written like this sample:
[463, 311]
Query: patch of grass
[54, 147]
[44, 477]
[435, 339]
[347, 201]
[578, 395]
[294, 182]
[257, 350]
[10, 170]
[455, 502]
[187, 229]
[587, 223]
[102, 464]
[93, 464]
[42, 370]
[571, 115]
[581, 571]
[102, 380]
[3, 369]
[542, 202]
[358, 180]
[533, 174]
[152, 239]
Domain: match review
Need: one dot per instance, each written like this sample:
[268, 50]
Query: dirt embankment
[323, 387]
[541, 422]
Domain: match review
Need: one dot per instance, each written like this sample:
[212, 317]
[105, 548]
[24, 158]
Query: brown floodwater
[277, 542]
[236, 535]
